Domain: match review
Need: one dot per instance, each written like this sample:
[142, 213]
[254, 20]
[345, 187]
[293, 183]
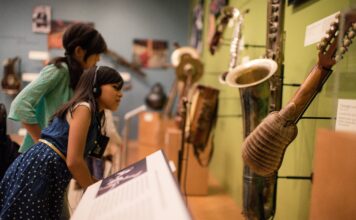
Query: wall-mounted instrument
[189, 71]
[227, 13]
[179, 81]
[263, 150]
[201, 120]
[11, 83]
[260, 86]
[122, 61]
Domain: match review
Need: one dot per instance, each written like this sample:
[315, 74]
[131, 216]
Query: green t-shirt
[40, 99]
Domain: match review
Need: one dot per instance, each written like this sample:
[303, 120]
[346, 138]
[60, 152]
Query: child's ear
[79, 52]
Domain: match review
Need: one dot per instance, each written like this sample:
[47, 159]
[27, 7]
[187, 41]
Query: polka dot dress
[33, 187]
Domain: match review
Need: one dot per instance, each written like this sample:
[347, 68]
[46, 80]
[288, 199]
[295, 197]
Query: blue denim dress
[33, 186]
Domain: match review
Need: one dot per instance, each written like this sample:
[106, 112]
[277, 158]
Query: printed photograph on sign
[122, 177]
[148, 53]
[41, 19]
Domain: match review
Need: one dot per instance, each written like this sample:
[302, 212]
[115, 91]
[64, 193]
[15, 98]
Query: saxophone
[260, 86]
[231, 14]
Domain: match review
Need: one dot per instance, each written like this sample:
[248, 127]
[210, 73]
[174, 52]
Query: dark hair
[84, 36]
[84, 90]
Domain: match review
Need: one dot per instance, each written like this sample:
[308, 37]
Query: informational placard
[317, 30]
[346, 115]
[146, 190]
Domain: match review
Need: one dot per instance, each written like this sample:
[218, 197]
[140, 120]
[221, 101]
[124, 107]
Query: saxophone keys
[272, 37]
[275, 16]
[273, 27]
[275, 8]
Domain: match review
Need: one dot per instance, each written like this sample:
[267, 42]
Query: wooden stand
[149, 129]
[195, 181]
[334, 180]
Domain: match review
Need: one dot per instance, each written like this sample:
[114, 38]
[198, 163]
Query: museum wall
[293, 196]
[119, 22]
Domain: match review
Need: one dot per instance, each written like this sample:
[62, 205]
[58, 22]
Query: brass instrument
[189, 69]
[260, 86]
[252, 80]
[274, 49]
[235, 17]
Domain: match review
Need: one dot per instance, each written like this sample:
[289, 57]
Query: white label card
[346, 115]
[315, 31]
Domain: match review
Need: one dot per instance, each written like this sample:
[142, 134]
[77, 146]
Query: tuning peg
[351, 34]
[321, 46]
[335, 24]
[354, 26]
[338, 57]
[330, 30]
[342, 50]
[346, 42]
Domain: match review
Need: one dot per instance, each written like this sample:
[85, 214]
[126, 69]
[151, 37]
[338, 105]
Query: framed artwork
[57, 29]
[41, 17]
[148, 53]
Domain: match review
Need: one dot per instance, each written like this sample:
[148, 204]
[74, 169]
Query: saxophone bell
[251, 73]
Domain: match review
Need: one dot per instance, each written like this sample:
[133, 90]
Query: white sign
[346, 115]
[317, 30]
[146, 190]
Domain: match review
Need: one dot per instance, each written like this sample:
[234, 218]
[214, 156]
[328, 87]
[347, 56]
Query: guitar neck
[308, 90]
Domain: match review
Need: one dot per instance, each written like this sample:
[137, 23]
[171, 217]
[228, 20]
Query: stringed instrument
[11, 83]
[122, 61]
[263, 150]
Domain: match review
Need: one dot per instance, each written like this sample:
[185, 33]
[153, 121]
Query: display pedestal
[149, 129]
[195, 181]
[334, 179]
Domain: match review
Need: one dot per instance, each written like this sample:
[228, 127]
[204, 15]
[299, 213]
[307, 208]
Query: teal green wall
[293, 196]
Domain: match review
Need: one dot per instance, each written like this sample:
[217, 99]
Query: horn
[253, 81]
[183, 51]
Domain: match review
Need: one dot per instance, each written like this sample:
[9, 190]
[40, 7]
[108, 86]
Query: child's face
[91, 61]
[110, 97]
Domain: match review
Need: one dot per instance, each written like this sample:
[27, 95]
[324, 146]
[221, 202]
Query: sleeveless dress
[33, 187]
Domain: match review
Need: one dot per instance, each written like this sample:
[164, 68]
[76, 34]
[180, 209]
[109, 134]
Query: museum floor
[215, 205]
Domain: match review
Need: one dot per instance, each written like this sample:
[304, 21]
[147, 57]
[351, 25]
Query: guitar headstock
[337, 40]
